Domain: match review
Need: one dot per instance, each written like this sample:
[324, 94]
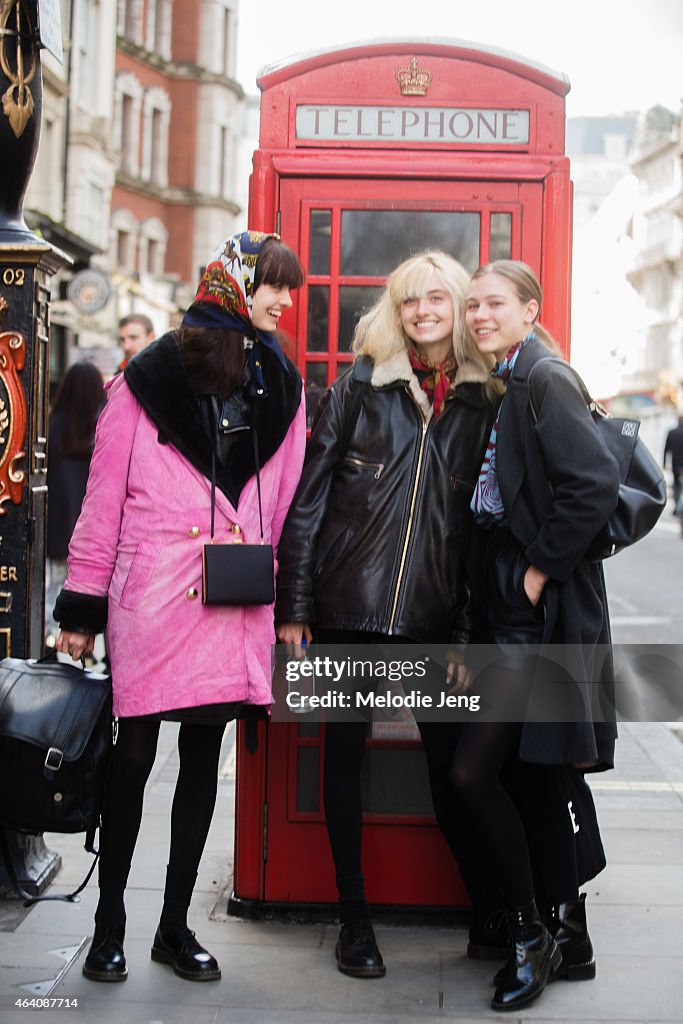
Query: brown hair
[137, 318]
[527, 288]
[278, 265]
[79, 399]
[213, 359]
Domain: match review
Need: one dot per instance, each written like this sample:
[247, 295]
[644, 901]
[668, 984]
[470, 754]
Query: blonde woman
[374, 543]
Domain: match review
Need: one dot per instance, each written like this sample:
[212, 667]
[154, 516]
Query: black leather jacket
[375, 539]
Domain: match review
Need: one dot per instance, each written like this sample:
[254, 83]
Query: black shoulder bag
[642, 488]
[238, 573]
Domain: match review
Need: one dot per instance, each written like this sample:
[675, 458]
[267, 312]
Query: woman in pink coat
[194, 396]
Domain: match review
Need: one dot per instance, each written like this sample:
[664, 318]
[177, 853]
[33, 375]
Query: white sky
[619, 54]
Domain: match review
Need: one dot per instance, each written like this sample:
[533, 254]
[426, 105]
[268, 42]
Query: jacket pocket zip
[377, 466]
[409, 527]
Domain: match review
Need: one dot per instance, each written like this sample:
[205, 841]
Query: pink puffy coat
[145, 517]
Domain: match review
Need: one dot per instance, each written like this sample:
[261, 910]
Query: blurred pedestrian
[674, 448]
[71, 439]
[136, 331]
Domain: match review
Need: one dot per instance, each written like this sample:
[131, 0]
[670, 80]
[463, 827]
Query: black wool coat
[559, 485]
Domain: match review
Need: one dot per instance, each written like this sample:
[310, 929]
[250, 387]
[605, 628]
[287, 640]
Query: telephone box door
[349, 239]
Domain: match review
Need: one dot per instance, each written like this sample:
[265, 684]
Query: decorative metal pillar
[26, 266]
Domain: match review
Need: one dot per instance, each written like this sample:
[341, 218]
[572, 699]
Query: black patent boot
[567, 925]
[533, 959]
[105, 960]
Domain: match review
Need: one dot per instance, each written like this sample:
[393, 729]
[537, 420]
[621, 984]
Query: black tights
[475, 776]
[344, 752]
[193, 804]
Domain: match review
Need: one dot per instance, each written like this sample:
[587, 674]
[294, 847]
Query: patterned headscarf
[226, 290]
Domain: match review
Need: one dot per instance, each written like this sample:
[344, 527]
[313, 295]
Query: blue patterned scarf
[487, 503]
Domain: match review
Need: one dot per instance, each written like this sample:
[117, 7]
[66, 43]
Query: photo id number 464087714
[46, 1003]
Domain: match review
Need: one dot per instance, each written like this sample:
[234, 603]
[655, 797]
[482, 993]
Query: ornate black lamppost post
[26, 266]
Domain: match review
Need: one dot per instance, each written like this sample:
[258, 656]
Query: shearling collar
[397, 370]
[157, 378]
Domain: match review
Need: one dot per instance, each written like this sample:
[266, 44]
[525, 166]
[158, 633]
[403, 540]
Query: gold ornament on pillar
[15, 31]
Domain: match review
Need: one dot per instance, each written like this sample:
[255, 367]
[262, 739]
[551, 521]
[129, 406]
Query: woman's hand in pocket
[534, 582]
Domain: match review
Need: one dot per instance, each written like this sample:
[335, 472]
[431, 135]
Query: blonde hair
[380, 333]
[527, 288]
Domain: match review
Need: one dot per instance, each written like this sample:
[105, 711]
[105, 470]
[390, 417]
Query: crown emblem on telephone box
[413, 82]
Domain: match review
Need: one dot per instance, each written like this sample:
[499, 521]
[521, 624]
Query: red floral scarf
[435, 378]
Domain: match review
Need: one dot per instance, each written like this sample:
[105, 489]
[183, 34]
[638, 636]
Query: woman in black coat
[546, 488]
[374, 544]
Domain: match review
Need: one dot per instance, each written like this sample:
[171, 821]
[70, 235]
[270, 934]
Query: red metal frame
[281, 854]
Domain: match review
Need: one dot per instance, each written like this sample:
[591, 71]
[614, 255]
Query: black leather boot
[533, 959]
[176, 945]
[567, 924]
[357, 953]
[105, 960]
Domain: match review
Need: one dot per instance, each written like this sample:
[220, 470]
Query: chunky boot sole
[517, 1004]
[575, 972]
[162, 957]
[108, 976]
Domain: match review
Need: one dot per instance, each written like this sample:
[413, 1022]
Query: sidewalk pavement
[287, 973]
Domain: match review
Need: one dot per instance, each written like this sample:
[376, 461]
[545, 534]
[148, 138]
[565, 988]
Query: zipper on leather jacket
[377, 466]
[409, 528]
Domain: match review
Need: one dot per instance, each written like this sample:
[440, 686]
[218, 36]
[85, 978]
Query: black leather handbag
[238, 573]
[55, 740]
[642, 488]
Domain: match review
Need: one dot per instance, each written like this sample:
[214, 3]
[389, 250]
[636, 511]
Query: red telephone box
[368, 154]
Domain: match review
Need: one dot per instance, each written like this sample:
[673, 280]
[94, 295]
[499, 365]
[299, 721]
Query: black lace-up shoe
[105, 960]
[534, 958]
[177, 946]
[357, 952]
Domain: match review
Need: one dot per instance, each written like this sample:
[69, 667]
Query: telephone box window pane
[307, 771]
[501, 236]
[316, 384]
[353, 302]
[308, 729]
[395, 782]
[373, 242]
[319, 242]
[318, 317]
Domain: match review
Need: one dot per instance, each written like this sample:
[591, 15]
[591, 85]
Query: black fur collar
[157, 378]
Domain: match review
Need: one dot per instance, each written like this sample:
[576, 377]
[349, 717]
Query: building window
[227, 41]
[95, 211]
[223, 164]
[127, 107]
[125, 231]
[129, 20]
[158, 35]
[153, 242]
[87, 43]
[156, 122]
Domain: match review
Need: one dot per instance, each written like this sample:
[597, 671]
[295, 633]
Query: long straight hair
[526, 286]
[79, 401]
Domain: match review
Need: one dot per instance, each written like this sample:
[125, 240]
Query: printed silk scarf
[435, 379]
[487, 503]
